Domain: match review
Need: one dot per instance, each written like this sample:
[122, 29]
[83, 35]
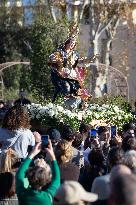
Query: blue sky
[27, 2]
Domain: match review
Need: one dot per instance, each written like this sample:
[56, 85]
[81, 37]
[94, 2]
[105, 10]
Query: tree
[69, 8]
[46, 36]
[12, 47]
[104, 19]
[33, 42]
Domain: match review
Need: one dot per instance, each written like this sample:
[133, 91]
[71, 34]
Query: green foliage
[116, 100]
[46, 36]
[10, 94]
[13, 49]
[16, 42]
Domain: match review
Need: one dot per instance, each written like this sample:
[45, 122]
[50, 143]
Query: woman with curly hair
[15, 132]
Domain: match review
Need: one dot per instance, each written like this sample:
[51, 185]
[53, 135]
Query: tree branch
[28, 46]
[51, 11]
[97, 29]
[116, 23]
[104, 27]
[83, 8]
[111, 30]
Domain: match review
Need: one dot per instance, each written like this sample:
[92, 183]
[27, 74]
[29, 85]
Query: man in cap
[123, 190]
[71, 193]
[22, 99]
[55, 136]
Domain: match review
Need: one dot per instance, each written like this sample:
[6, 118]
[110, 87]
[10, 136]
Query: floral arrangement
[94, 114]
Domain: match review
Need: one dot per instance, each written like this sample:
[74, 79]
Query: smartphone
[113, 131]
[45, 141]
[93, 133]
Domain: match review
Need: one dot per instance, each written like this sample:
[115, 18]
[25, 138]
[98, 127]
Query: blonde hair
[42, 163]
[39, 175]
[7, 159]
[63, 151]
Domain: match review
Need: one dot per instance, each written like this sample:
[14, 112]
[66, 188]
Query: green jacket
[28, 196]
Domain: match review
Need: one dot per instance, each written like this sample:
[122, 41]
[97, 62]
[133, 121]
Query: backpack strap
[14, 141]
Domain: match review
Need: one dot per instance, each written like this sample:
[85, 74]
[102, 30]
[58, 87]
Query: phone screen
[113, 131]
[93, 133]
[45, 140]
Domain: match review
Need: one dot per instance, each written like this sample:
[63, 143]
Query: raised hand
[36, 150]
[37, 136]
[50, 151]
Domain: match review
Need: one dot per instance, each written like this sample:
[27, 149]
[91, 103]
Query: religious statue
[66, 75]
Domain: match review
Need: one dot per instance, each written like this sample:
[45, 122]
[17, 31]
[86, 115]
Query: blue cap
[54, 135]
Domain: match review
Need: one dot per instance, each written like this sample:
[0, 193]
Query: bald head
[123, 190]
[119, 170]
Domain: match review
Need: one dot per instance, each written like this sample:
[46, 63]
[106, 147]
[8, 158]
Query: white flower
[116, 109]
[68, 113]
[51, 113]
[105, 106]
[111, 113]
[42, 111]
[50, 105]
[60, 108]
[72, 115]
[89, 112]
[38, 116]
[96, 115]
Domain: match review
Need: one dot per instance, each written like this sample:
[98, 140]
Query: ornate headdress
[74, 31]
[55, 57]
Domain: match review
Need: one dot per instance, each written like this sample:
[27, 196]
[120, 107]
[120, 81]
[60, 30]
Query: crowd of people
[72, 168]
